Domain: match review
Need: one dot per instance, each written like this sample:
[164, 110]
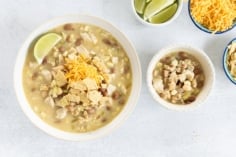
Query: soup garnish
[44, 45]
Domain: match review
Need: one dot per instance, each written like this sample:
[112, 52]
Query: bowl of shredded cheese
[229, 60]
[213, 16]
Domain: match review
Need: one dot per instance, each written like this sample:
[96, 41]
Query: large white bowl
[136, 81]
[208, 70]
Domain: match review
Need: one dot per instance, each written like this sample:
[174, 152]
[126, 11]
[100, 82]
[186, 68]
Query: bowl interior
[207, 69]
[201, 27]
[180, 6]
[225, 67]
[136, 80]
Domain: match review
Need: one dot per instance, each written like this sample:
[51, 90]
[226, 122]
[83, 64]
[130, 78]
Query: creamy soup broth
[84, 81]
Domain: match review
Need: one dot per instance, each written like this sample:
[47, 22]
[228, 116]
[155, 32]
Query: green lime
[165, 14]
[139, 5]
[156, 6]
[44, 44]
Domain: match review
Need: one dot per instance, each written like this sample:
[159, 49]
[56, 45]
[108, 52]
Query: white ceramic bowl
[180, 6]
[208, 70]
[136, 70]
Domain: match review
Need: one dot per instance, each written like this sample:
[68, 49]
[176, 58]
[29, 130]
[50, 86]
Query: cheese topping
[216, 15]
[81, 68]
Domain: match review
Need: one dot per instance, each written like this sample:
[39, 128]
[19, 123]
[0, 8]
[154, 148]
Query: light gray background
[151, 130]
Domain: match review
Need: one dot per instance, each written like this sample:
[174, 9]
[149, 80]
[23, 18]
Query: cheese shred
[81, 68]
[216, 15]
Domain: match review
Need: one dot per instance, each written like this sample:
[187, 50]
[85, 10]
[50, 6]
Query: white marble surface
[209, 131]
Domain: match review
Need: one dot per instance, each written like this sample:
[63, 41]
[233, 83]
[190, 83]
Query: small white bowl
[177, 13]
[129, 106]
[208, 70]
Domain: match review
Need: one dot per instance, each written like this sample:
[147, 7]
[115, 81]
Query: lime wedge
[139, 5]
[165, 14]
[44, 44]
[156, 6]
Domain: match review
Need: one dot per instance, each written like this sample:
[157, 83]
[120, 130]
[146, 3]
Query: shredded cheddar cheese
[82, 68]
[216, 15]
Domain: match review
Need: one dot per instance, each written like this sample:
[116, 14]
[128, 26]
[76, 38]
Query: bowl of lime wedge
[156, 12]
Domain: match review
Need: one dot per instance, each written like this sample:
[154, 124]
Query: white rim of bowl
[193, 51]
[180, 6]
[118, 120]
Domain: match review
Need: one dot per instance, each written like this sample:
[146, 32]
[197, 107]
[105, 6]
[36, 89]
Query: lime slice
[156, 6]
[165, 14]
[44, 44]
[139, 5]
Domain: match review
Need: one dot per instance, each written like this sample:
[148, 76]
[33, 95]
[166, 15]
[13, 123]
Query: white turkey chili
[178, 78]
[82, 83]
